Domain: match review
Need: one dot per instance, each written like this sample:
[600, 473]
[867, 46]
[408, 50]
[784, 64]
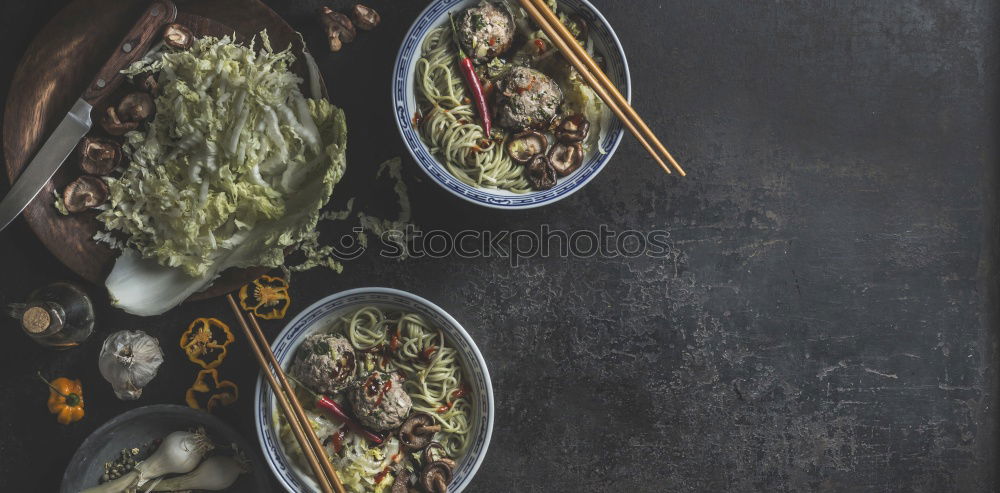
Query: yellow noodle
[449, 124]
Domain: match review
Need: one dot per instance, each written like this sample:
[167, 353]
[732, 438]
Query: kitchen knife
[78, 121]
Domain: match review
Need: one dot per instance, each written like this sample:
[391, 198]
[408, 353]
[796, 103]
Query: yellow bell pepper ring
[266, 297]
[208, 391]
[205, 341]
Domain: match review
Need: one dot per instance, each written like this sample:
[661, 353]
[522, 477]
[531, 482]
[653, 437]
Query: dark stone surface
[826, 321]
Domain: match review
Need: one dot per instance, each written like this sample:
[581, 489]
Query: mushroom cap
[136, 106]
[410, 433]
[402, 482]
[566, 158]
[365, 17]
[573, 128]
[434, 475]
[86, 192]
[526, 145]
[428, 455]
[99, 156]
[541, 174]
[178, 36]
[113, 124]
[336, 22]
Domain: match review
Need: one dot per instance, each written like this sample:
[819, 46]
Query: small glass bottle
[59, 315]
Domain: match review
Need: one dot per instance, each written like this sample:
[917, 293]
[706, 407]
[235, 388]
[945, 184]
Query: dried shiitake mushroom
[418, 430]
[86, 192]
[178, 36]
[566, 158]
[435, 477]
[402, 482]
[113, 124]
[541, 174]
[573, 128]
[429, 456]
[339, 28]
[526, 145]
[365, 17]
[99, 156]
[136, 107]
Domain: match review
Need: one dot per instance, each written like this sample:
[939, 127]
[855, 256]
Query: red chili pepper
[334, 409]
[472, 80]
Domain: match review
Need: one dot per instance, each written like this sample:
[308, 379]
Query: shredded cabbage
[232, 171]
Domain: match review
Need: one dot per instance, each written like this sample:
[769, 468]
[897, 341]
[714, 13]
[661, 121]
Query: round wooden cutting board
[55, 70]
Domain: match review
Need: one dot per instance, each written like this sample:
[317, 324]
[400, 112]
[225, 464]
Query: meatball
[527, 98]
[380, 402]
[325, 363]
[485, 31]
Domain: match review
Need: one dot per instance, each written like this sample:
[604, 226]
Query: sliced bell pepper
[205, 342]
[266, 297]
[208, 391]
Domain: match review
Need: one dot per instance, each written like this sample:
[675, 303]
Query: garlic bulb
[129, 360]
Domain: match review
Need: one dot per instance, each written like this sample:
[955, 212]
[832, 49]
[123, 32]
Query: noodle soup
[402, 372]
[545, 119]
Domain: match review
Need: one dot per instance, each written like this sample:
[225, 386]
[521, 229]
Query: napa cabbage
[232, 171]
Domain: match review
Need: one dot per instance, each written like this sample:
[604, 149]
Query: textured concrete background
[827, 320]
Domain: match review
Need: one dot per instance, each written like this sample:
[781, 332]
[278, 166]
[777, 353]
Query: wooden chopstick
[585, 65]
[322, 469]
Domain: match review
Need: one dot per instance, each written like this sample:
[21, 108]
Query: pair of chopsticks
[585, 65]
[289, 403]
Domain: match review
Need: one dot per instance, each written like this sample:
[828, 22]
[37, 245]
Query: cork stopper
[36, 319]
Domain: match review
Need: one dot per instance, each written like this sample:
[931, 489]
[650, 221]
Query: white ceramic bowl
[405, 104]
[314, 318]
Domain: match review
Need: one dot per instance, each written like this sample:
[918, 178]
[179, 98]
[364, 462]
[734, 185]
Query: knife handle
[135, 45]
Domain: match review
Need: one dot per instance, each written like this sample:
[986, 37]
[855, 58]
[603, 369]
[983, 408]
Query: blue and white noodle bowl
[318, 317]
[406, 105]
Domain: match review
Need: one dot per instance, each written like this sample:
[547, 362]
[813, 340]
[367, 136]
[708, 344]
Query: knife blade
[77, 122]
[52, 154]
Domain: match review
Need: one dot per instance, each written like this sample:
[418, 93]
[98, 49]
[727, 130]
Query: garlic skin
[129, 360]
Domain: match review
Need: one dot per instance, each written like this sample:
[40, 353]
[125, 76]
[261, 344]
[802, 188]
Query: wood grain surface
[131, 48]
[59, 64]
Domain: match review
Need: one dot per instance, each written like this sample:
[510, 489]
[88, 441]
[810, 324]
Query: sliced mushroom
[339, 28]
[178, 36]
[86, 192]
[402, 482]
[114, 125]
[435, 477]
[333, 37]
[541, 174]
[573, 128]
[428, 455]
[99, 156]
[136, 107]
[526, 145]
[365, 17]
[418, 430]
[566, 158]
